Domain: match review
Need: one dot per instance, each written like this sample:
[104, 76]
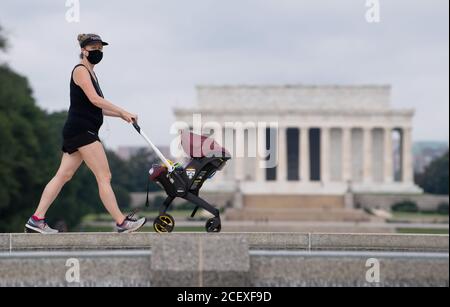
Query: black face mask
[95, 56]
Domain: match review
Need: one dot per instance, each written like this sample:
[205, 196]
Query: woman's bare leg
[95, 158]
[68, 167]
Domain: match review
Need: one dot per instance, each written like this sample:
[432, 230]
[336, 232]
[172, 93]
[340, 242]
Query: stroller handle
[136, 126]
[166, 162]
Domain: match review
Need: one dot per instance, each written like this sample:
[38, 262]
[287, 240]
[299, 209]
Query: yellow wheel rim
[163, 223]
[160, 229]
[166, 220]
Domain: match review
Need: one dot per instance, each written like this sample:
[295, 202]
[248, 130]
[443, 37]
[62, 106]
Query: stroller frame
[186, 181]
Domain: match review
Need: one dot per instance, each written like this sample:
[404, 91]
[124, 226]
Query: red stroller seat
[199, 146]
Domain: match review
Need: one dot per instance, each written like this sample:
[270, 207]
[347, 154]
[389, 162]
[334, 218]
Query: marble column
[304, 154]
[282, 154]
[388, 156]
[367, 154]
[346, 154]
[260, 169]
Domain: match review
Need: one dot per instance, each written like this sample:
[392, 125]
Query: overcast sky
[161, 49]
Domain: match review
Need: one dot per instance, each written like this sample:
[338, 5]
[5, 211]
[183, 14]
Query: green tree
[3, 42]
[23, 150]
[435, 178]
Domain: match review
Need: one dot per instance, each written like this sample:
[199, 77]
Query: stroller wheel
[164, 224]
[213, 225]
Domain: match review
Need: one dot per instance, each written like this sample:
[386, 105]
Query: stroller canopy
[199, 146]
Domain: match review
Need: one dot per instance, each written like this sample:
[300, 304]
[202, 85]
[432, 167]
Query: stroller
[206, 158]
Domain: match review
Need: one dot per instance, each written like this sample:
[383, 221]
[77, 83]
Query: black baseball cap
[92, 38]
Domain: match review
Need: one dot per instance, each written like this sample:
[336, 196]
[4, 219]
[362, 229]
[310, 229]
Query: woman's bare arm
[82, 78]
[111, 113]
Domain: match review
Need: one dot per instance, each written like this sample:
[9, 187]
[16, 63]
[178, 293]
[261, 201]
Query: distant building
[425, 152]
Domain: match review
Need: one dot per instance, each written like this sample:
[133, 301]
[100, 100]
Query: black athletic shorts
[71, 145]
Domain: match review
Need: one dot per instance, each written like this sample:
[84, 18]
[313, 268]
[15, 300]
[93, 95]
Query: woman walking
[81, 142]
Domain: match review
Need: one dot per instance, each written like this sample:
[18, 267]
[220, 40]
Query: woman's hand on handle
[129, 117]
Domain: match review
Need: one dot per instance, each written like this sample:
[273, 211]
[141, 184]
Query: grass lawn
[423, 217]
[418, 215]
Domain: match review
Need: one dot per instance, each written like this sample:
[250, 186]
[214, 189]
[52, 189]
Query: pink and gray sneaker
[131, 224]
[36, 225]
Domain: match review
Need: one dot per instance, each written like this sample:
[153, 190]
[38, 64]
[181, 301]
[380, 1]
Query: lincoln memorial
[328, 141]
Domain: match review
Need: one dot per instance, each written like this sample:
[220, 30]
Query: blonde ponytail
[82, 37]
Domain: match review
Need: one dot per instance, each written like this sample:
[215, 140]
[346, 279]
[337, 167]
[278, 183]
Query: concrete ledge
[4, 242]
[323, 269]
[382, 242]
[105, 241]
[79, 241]
[270, 241]
[100, 269]
[255, 268]
[188, 261]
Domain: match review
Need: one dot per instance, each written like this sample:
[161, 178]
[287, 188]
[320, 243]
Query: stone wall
[223, 260]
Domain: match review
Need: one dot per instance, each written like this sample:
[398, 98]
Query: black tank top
[83, 114]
